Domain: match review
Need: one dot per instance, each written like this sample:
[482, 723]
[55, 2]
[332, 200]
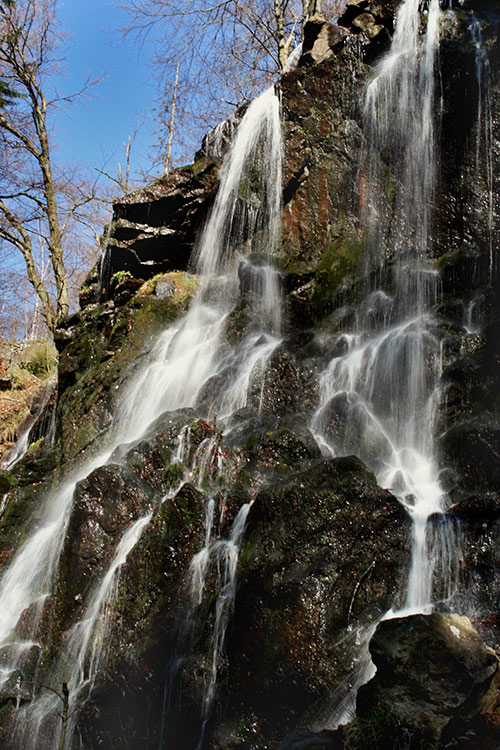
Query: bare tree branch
[35, 203]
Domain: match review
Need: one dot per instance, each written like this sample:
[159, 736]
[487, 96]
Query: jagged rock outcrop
[153, 230]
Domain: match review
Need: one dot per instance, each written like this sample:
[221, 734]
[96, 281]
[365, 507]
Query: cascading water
[18, 451]
[186, 356]
[379, 399]
[228, 229]
[83, 653]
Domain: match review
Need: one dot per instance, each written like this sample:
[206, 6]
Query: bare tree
[171, 123]
[122, 180]
[228, 51]
[38, 203]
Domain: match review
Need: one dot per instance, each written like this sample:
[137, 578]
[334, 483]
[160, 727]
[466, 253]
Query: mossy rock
[322, 552]
[184, 286]
[97, 361]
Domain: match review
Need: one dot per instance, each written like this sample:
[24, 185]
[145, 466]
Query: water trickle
[226, 553]
[83, 652]
[37, 426]
[484, 140]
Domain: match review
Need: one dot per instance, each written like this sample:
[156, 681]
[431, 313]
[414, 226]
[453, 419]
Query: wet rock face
[436, 682]
[99, 348]
[106, 503]
[323, 549]
[465, 184]
[150, 607]
[322, 139]
[478, 515]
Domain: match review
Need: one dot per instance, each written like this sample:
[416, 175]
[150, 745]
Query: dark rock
[478, 516]
[217, 141]
[321, 40]
[472, 448]
[372, 16]
[310, 539]
[436, 682]
[91, 288]
[123, 286]
[105, 504]
[149, 610]
[312, 741]
[364, 21]
[153, 230]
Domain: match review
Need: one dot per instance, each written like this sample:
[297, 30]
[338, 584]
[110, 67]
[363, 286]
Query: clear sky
[93, 131]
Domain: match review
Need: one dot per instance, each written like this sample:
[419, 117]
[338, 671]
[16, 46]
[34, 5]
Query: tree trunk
[56, 249]
[282, 46]
[171, 126]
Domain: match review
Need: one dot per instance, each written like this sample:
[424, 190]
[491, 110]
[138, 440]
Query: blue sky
[93, 131]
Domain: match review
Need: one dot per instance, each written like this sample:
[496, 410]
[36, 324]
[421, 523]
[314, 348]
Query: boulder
[473, 449]
[322, 554]
[437, 684]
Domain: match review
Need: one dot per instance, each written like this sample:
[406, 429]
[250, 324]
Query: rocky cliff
[322, 551]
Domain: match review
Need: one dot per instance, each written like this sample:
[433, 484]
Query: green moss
[7, 482]
[337, 274]
[93, 365]
[339, 260]
[185, 286]
[250, 443]
[119, 333]
[388, 182]
[200, 166]
[119, 276]
[173, 474]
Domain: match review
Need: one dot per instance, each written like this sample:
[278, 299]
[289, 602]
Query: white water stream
[484, 123]
[226, 553]
[380, 399]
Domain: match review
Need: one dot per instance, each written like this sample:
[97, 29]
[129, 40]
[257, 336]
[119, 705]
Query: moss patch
[185, 286]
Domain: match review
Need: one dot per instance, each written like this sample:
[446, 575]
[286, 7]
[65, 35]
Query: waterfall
[380, 399]
[228, 229]
[231, 224]
[242, 230]
[84, 651]
[35, 427]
